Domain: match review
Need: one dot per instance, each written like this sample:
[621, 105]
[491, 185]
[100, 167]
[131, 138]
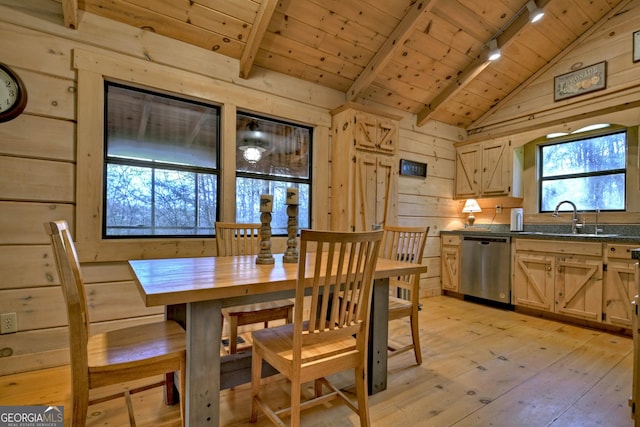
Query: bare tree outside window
[591, 172]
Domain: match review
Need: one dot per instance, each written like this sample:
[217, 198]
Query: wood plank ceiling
[427, 57]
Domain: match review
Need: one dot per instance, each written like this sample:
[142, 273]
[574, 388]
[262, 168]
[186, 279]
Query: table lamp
[471, 206]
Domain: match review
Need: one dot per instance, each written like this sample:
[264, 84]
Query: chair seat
[399, 308]
[153, 342]
[279, 341]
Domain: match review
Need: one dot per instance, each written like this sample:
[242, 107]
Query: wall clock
[13, 94]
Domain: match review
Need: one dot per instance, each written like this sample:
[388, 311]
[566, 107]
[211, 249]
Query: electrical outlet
[8, 323]
[498, 209]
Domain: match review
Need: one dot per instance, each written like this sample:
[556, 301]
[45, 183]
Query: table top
[182, 280]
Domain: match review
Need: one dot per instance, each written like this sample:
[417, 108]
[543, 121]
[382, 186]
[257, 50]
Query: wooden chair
[331, 335]
[243, 239]
[113, 357]
[405, 244]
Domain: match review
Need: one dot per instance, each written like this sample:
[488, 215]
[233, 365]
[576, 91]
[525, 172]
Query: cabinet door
[387, 136]
[375, 193]
[533, 277]
[579, 287]
[495, 169]
[468, 160]
[619, 291]
[366, 132]
[450, 257]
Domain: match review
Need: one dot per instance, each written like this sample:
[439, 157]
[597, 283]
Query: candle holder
[291, 254]
[266, 205]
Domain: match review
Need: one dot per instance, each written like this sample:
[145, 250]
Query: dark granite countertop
[613, 233]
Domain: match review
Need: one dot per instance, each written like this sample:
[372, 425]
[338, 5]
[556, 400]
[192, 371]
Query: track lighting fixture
[494, 51]
[535, 13]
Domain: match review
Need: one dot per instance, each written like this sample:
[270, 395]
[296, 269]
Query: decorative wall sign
[636, 46]
[411, 168]
[579, 82]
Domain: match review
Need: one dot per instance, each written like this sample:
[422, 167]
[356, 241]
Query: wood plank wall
[39, 168]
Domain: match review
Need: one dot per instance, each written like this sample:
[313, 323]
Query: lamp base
[471, 219]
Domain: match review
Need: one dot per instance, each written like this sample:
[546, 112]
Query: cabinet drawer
[559, 247]
[451, 240]
[619, 250]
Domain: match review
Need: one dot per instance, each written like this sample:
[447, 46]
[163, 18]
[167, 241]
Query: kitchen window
[589, 171]
[271, 156]
[161, 164]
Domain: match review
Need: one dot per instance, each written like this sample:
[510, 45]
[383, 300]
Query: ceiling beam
[395, 41]
[259, 28]
[464, 78]
[70, 13]
[504, 38]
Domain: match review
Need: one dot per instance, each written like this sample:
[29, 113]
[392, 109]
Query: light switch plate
[8, 323]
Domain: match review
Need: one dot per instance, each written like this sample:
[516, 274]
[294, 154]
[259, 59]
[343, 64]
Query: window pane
[601, 153]
[152, 202]
[248, 202]
[272, 156]
[153, 127]
[161, 160]
[283, 148]
[128, 205]
[605, 192]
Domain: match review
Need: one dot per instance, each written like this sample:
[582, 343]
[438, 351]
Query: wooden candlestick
[265, 256]
[291, 254]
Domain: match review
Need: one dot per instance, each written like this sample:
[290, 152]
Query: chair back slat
[68, 268]
[404, 244]
[237, 238]
[340, 274]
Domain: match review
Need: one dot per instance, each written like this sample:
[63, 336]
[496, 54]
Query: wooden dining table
[194, 290]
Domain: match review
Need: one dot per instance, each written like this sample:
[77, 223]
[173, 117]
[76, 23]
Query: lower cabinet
[619, 284]
[450, 262]
[560, 277]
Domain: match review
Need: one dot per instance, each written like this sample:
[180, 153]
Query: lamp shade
[471, 205]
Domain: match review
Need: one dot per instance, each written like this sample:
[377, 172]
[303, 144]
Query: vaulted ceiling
[426, 57]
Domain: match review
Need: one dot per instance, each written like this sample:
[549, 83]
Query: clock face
[13, 95]
[8, 91]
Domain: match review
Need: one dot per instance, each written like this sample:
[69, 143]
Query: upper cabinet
[364, 168]
[375, 133]
[488, 169]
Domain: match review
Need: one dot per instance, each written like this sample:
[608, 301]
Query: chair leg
[80, 407]
[415, 334]
[233, 334]
[296, 391]
[183, 392]
[363, 396]
[256, 374]
[127, 399]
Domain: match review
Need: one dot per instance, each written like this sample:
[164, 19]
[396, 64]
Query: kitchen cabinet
[559, 276]
[364, 164]
[488, 169]
[619, 284]
[450, 262]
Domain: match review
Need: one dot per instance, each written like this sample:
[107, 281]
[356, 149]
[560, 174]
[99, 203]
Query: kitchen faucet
[574, 224]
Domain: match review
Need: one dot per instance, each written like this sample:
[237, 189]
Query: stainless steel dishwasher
[486, 271]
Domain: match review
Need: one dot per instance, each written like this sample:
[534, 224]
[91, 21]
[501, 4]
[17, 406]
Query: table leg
[378, 337]
[204, 329]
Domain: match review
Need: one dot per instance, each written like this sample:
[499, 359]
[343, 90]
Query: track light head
[535, 13]
[494, 51]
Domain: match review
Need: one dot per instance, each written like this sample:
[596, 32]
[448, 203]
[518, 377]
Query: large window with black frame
[271, 156]
[161, 164]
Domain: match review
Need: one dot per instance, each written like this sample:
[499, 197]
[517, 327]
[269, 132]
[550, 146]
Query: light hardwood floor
[482, 367]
